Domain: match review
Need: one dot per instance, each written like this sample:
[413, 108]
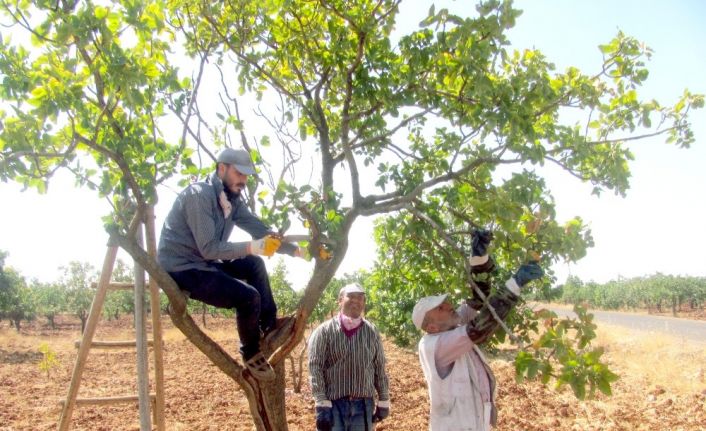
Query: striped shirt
[340, 366]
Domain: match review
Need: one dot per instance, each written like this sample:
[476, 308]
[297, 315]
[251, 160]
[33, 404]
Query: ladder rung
[116, 285]
[113, 344]
[109, 400]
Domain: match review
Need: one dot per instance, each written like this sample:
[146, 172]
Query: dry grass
[659, 360]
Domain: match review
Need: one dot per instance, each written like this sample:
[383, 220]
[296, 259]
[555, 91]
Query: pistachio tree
[362, 124]
[51, 300]
[17, 300]
[76, 281]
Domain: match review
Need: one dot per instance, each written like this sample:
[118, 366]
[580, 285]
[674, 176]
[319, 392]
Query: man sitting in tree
[194, 249]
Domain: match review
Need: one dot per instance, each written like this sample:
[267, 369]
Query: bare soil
[200, 397]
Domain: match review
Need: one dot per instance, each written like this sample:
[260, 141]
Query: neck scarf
[223, 200]
[350, 325]
[225, 204]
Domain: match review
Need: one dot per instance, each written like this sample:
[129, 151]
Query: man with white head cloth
[460, 382]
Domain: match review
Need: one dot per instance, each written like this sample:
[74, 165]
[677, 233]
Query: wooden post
[143, 383]
[156, 325]
[88, 333]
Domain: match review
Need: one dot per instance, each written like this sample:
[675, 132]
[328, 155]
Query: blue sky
[659, 227]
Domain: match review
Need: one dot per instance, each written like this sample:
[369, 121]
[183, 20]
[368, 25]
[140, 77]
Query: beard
[233, 190]
[452, 322]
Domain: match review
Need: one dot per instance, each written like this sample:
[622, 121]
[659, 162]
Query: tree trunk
[266, 402]
[297, 368]
[83, 318]
[17, 322]
[273, 401]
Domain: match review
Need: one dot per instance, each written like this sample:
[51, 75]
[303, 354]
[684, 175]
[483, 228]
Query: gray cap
[240, 159]
[351, 288]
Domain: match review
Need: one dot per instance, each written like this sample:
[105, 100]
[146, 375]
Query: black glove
[324, 418]
[528, 272]
[480, 240]
[380, 413]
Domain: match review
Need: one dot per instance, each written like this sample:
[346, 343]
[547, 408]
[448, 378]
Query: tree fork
[266, 403]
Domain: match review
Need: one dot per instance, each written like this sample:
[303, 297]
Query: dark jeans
[241, 284]
[353, 414]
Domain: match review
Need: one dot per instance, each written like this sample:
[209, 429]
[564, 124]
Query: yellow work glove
[324, 253]
[304, 253]
[265, 246]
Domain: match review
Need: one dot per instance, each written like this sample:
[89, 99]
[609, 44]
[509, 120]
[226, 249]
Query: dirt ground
[199, 397]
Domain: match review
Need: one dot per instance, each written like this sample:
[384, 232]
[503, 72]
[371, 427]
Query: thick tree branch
[377, 204]
[345, 121]
[188, 327]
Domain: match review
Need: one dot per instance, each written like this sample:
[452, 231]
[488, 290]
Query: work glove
[480, 240]
[274, 234]
[528, 272]
[303, 252]
[265, 246]
[324, 418]
[380, 413]
[479, 260]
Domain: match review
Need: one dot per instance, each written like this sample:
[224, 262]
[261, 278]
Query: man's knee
[250, 299]
[257, 271]
[257, 263]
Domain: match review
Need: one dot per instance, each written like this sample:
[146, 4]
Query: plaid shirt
[347, 367]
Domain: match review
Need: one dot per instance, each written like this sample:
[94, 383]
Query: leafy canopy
[444, 128]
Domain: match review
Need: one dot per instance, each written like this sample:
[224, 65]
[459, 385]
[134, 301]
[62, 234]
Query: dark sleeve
[317, 363]
[483, 325]
[488, 266]
[475, 301]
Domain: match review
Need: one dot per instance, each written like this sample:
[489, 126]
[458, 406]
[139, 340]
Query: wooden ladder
[145, 400]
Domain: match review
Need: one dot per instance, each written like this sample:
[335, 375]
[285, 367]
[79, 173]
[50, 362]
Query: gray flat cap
[351, 288]
[240, 159]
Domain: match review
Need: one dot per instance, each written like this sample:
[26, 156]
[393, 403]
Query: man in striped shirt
[194, 249]
[347, 368]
